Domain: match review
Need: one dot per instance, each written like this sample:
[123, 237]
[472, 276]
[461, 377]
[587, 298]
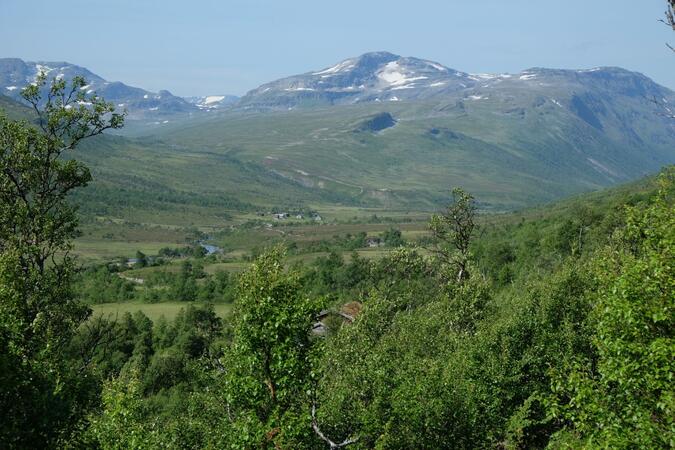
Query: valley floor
[153, 311]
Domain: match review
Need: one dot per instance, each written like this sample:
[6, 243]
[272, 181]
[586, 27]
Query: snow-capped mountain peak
[371, 76]
[384, 76]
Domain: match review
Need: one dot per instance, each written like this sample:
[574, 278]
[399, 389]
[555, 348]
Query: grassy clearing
[240, 266]
[153, 310]
[91, 251]
[105, 239]
[246, 239]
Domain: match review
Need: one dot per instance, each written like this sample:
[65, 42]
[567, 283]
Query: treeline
[106, 200]
[107, 284]
[391, 237]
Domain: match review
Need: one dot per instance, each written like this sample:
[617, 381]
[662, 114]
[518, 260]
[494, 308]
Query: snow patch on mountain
[209, 99]
[483, 76]
[437, 66]
[17, 73]
[39, 68]
[340, 67]
[393, 74]
[210, 102]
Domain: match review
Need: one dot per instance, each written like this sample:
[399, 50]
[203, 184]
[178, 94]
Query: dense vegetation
[549, 328]
[551, 339]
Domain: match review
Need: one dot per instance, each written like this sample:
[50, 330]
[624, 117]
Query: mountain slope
[512, 139]
[14, 110]
[147, 180]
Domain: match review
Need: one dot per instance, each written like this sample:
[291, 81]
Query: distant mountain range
[403, 130]
[385, 77]
[381, 129]
[371, 77]
[151, 107]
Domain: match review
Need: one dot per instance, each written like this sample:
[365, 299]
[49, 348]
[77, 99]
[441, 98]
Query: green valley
[380, 253]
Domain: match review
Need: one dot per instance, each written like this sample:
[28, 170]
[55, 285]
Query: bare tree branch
[670, 18]
[98, 334]
[323, 437]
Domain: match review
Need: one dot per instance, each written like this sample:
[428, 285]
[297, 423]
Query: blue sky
[201, 47]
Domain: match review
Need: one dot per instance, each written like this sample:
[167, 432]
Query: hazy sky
[198, 47]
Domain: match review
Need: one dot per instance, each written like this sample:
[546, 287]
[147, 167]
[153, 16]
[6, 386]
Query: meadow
[153, 311]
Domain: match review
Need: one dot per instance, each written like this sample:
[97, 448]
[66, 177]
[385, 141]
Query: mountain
[14, 110]
[372, 77]
[402, 131]
[385, 131]
[383, 76]
[142, 105]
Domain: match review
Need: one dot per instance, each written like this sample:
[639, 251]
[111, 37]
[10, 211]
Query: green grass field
[97, 250]
[153, 310]
[105, 239]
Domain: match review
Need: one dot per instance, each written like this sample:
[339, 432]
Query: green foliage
[269, 362]
[392, 238]
[430, 362]
[101, 285]
[553, 328]
[623, 397]
[106, 284]
[453, 230]
[120, 425]
[45, 395]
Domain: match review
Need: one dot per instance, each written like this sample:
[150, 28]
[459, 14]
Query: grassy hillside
[204, 172]
[492, 147]
[147, 180]
[13, 109]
